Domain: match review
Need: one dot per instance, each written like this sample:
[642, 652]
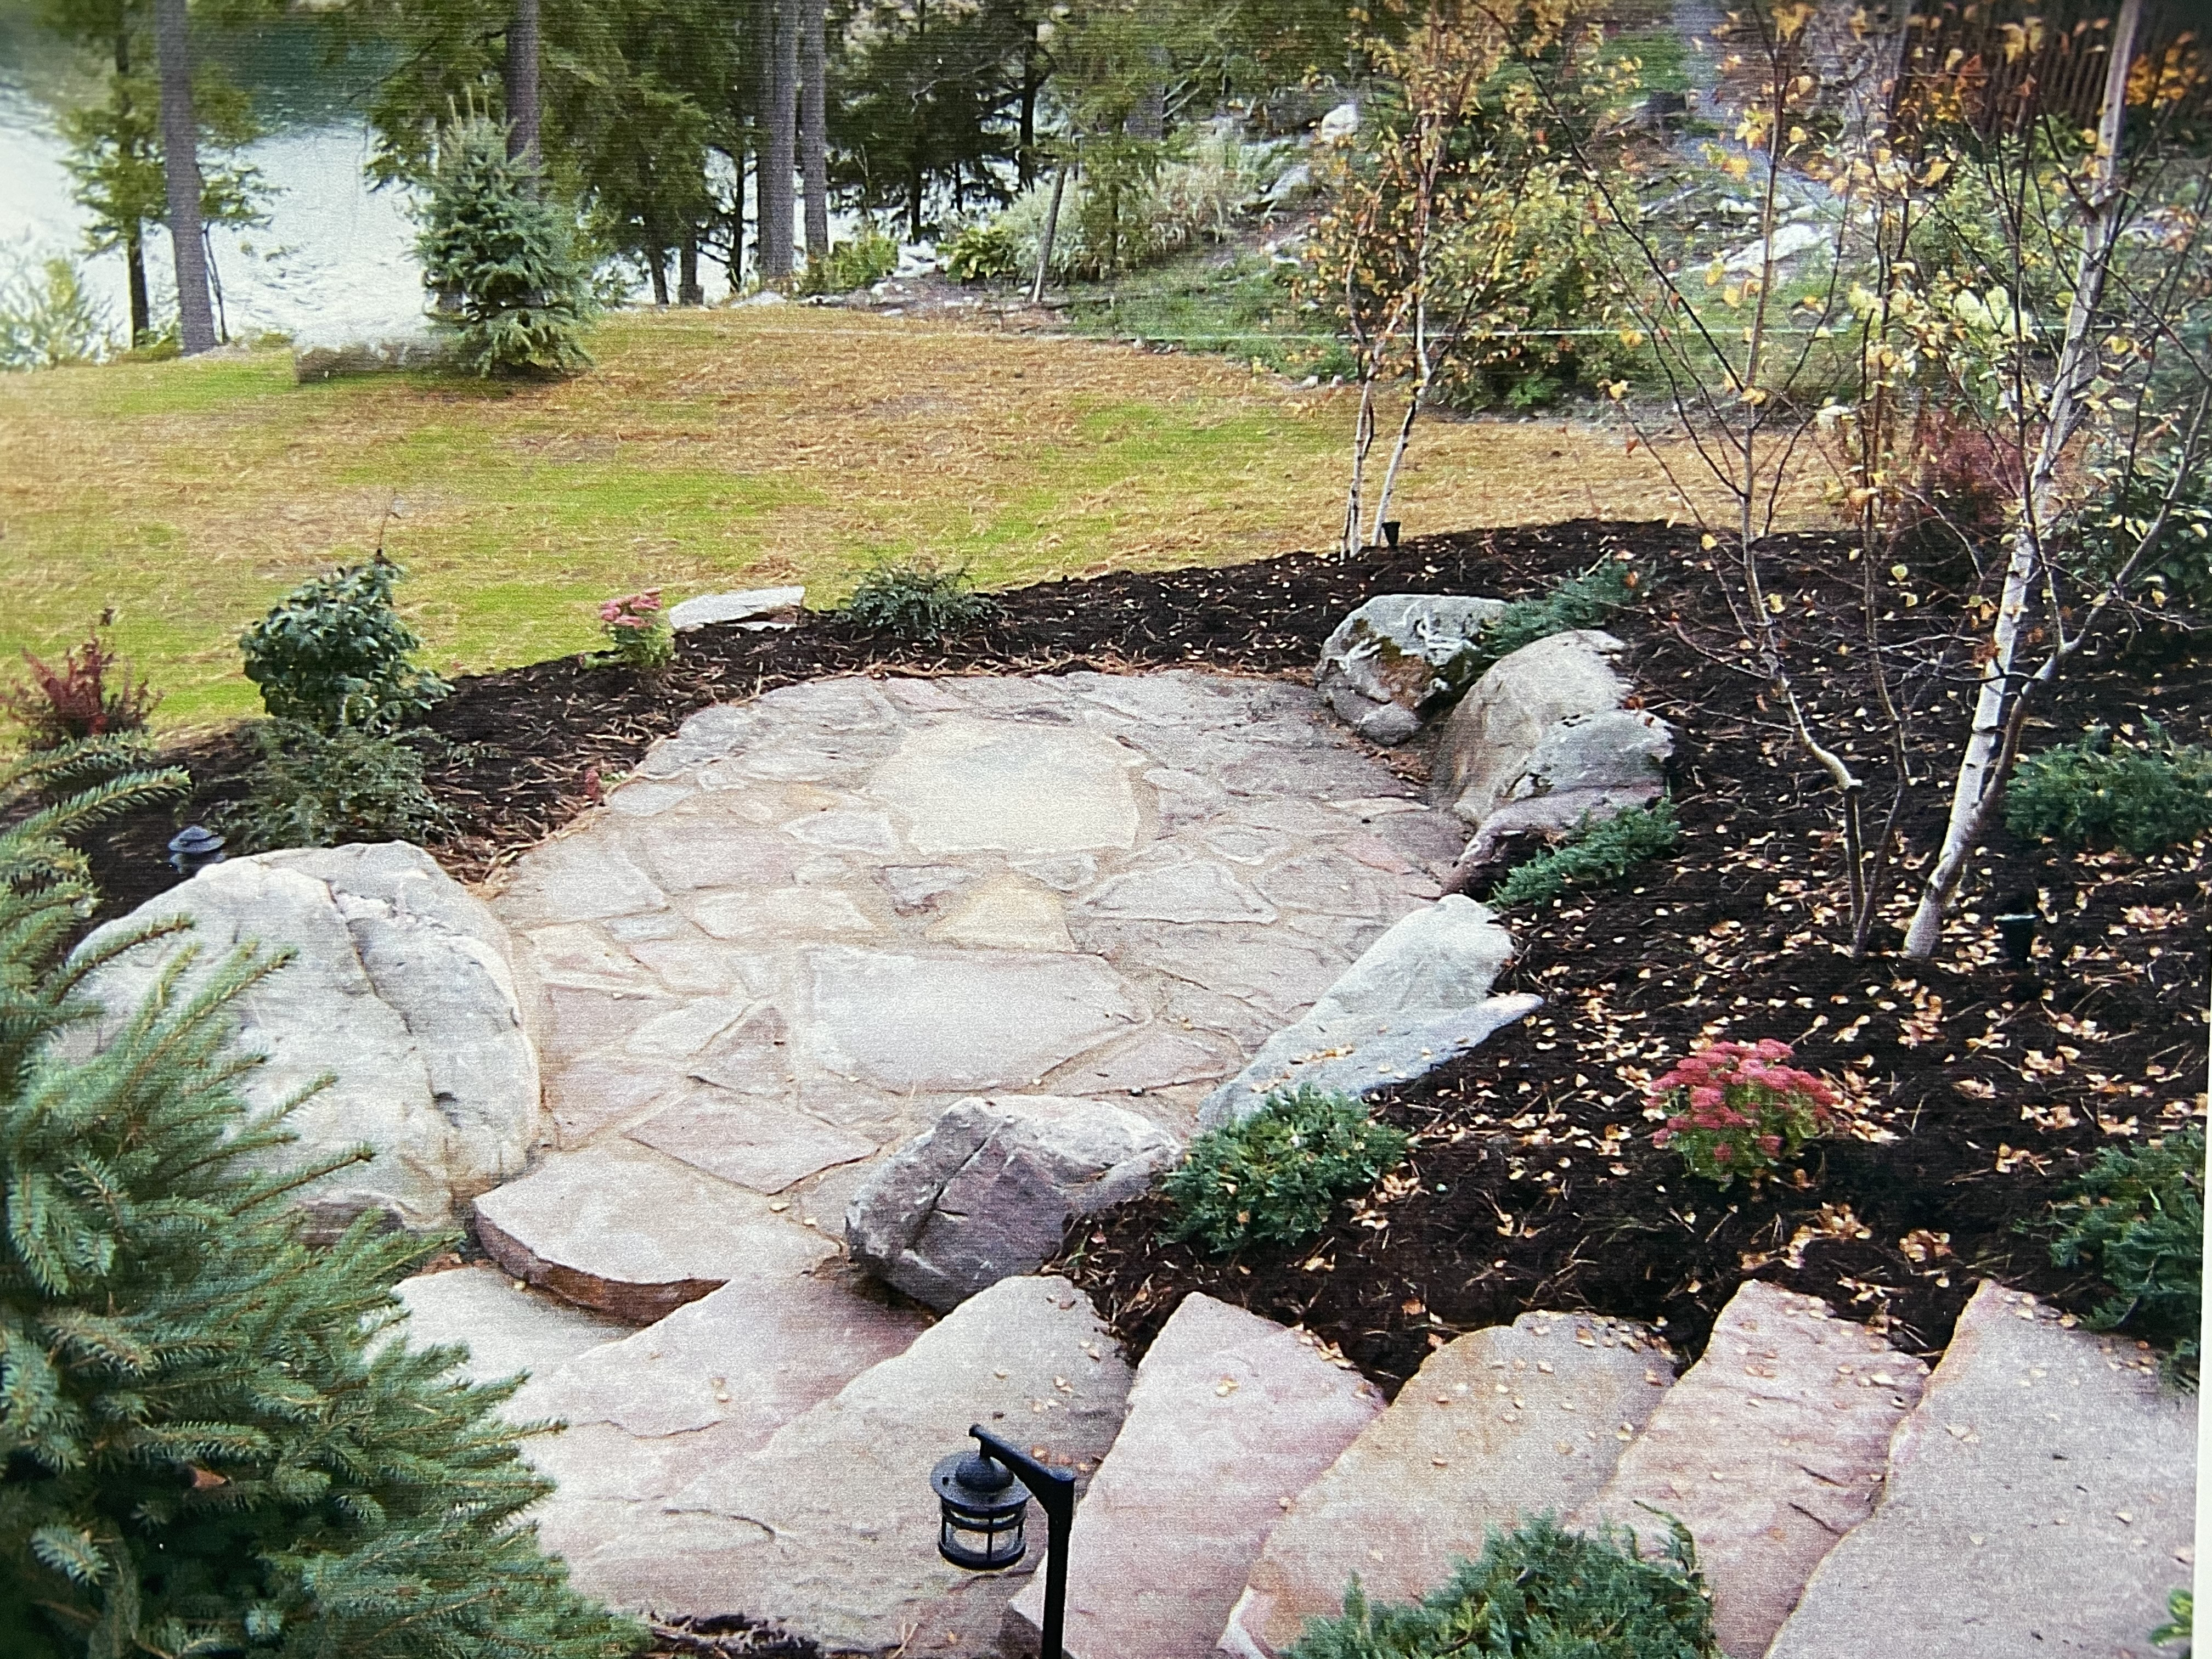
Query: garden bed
[1983, 1089]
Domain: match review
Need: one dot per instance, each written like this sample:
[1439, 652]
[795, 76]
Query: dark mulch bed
[1533, 1182]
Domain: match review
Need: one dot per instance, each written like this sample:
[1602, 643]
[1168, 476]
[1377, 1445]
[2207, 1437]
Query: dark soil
[1981, 1089]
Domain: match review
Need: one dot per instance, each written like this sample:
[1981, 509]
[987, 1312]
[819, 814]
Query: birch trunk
[1051, 229]
[523, 104]
[1981, 771]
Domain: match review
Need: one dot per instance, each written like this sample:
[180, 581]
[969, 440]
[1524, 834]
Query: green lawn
[706, 450]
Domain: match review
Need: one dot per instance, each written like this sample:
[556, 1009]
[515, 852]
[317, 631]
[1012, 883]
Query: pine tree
[505, 255]
[206, 1451]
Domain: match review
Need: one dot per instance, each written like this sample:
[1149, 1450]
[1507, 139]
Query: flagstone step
[633, 1233]
[2039, 1501]
[506, 1325]
[1231, 1417]
[831, 1527]
[1770, 1449]
[1514, 1421]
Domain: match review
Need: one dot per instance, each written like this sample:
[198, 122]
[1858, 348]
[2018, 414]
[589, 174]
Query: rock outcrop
[401, 988]
[1392, 661]
[988, 1191]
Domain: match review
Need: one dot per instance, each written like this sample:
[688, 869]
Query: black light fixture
[194, 848]
[981, 1511]
[1389, 533]
[2016, 928]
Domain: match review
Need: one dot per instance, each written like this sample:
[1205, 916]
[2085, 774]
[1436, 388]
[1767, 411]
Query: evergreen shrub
[1583, 601]
[2145, 797]
[1537, 1593]
[916, 600]
[315, 788]
[89, 694]
[503, 259]
[2136, 1216]
[1273, 1177]
[334, 652]
[1594, 854]
[208, 1450]
[49, 798]
[49, 317]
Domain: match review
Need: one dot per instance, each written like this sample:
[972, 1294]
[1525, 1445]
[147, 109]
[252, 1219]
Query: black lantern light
[2016, 929]
[981, 1509]
[1389, 533]
[194, 848]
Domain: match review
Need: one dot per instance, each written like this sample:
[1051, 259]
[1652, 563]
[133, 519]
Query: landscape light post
[193, 848]
[981, 1511]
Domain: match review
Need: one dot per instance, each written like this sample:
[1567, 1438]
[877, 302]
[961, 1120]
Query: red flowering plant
[636, 631]
[1741, 1108]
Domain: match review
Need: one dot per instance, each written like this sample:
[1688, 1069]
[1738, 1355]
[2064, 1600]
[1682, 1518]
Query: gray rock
[831, 1528]
[1420, 995]
[626, 1231]
[1515, 1420]
[505, 1327]
[746, 605]
[2039, 1500]
[1487, 742]
[403, 986]
[1771, 1447]
[1395, 658]
[1231, 1417]
[324, 356]
[988, 1190]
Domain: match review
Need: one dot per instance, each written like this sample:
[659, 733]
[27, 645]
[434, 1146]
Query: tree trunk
[1981, 771]
[689, 290]
[814, 124]
[779, 157]
[656, 266]
[181, 160]
[1051, 230]
[522, 100]
[134, 234]
[1032, 84]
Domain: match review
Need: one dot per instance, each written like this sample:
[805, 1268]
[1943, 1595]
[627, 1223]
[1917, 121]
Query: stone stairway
[767, 1449]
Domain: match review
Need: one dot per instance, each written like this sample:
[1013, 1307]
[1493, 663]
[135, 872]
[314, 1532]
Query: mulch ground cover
[1979, 1088]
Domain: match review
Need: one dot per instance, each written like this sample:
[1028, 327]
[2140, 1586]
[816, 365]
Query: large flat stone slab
[506, 1327]
[1770, 1449]
[958, 1020]
[2039, 1501]
[625, 1231]
[1519, 1419]
[754, 1143]
[963, 784]
[831, 1527]
[1231, 1417]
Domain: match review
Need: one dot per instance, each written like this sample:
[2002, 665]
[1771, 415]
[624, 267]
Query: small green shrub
[867, 259]
[986, 252]
[1272, 1178]
[1594, 854]
[1583, 601]
[49, 318]
[83, 696]
[1537, 1593]
[502, 259]
[1741, 1108]
[2136, 1216]
[637, 634]
[2144, 797]
[916, 600]
[334, 652]
[316, 788]
[2181, 1621]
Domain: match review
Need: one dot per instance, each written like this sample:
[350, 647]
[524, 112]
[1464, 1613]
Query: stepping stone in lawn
[1769, 1449]
[1515, 1420]
[622, 1229]
[1231, 1417]
[2039, 1501]
[831, 1528]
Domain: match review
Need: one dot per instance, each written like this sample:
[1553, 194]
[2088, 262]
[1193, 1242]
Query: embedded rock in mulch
[671, 1404]
[831, 1528]
[401, 986]
[1419, 996]
[1515, 1420]
[1769, 1449]
[506, 1327]
[1546, 737]
[2040, 1500]
[1231, 1417]
[1395, 657]
[628, 1232]
[988, 1190]
[747, 606]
